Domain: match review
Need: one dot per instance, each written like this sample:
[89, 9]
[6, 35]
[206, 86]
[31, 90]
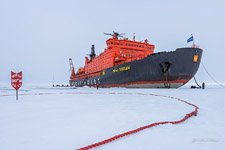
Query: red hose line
[116, 137]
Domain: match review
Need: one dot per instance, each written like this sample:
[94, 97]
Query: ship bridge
[118, 51]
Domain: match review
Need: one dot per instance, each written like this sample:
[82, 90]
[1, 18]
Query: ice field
[46, 118]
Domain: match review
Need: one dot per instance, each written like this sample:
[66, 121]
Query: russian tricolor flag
[190, 39]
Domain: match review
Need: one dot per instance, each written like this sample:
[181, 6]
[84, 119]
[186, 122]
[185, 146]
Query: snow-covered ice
[47, 118]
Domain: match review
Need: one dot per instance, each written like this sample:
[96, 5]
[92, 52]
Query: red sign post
[16, 81]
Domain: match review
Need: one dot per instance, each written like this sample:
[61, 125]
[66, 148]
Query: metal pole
[193, 41]
[53, 80]
[16, 94]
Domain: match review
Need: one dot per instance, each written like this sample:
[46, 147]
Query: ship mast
[134, 37]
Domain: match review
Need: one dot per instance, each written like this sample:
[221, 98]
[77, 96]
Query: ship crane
[71, 69]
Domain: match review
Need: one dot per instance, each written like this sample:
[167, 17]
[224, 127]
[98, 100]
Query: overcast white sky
[37, 37]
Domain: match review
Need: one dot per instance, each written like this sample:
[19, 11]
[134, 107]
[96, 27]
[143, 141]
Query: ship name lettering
[122, 69]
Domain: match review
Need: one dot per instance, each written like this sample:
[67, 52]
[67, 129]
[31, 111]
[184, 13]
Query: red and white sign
[16, 80]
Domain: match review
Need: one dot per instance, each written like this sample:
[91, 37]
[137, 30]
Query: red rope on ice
[189, 115]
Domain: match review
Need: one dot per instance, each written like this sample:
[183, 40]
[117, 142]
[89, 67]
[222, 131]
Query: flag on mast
[190, 39]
